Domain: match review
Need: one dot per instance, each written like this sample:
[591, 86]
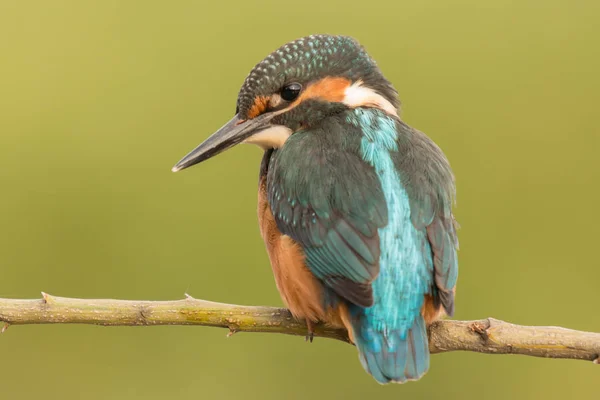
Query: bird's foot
[310, 334]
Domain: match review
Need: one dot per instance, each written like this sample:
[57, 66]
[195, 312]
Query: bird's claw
[309, 337]
[310, 334]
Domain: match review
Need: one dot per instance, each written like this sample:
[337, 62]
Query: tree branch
[484, 336]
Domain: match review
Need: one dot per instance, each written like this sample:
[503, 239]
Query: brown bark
[484, 336]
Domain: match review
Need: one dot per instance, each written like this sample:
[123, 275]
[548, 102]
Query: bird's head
[295, 87]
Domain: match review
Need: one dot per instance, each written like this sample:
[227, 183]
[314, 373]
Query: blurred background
[99, 99]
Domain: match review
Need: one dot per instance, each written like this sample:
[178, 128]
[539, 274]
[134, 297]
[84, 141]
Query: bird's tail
[396, 355]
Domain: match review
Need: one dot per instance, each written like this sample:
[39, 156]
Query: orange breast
[300, 290]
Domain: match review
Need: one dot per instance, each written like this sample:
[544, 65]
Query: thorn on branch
[5, 327]
[232, 331]
[188, 297]
[47, 299]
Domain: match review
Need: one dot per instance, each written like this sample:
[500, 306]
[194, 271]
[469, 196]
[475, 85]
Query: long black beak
[233, 132]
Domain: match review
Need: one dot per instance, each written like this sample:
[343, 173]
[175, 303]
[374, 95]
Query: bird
[354, 205]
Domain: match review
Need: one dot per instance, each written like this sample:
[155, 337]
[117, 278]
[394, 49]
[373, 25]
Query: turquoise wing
[324, 196]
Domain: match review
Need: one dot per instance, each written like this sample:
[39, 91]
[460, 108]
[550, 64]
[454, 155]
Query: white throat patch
[358, 95]
[271, 138]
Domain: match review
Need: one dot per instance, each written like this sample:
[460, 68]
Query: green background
[99, 99]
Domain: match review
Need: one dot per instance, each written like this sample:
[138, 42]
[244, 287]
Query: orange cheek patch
[328, 89]
[259, 106]
[332, 89]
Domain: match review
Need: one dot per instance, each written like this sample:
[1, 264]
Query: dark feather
[360, 294]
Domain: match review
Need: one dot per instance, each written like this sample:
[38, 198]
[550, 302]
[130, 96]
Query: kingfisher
[354, 205]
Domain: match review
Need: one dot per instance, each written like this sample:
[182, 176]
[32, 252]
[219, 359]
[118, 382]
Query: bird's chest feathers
[300, 290]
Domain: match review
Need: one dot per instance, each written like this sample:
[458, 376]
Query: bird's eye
[291, 91]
